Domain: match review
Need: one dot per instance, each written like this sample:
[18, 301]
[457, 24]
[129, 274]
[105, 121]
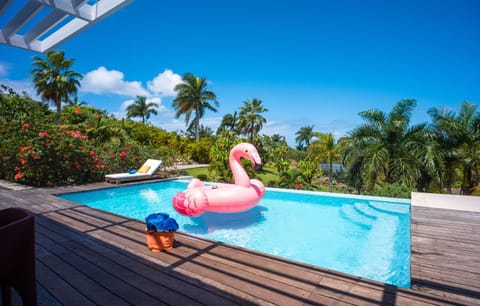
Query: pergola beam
[46, 24]
[25, 14]
[4, 4]
[82, 15]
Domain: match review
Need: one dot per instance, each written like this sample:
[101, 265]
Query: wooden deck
[85, 256]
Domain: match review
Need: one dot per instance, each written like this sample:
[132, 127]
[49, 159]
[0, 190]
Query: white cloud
[104, 81]
[276, 127]
[126, 104]
[3, 69]
[21, 86]
[173, 125]
[164, 83]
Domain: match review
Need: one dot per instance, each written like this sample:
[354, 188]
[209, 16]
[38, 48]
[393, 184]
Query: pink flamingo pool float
[241, 196]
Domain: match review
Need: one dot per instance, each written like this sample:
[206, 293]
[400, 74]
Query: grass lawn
[196, 171]
[266, 174]
[476, 191]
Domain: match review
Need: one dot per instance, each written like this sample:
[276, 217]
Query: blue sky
[310, 62]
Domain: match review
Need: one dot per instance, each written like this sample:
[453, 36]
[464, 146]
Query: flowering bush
[56, 155]
[36, 152]
[122, 158]
[75, 115]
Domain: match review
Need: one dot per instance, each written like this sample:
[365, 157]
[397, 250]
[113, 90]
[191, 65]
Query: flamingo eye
[246, 150]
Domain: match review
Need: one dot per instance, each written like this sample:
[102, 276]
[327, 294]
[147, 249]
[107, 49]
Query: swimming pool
[363, 236]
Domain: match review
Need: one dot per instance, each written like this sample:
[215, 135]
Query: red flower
[23, 161]
[25, 126]
[23, 149]
[19, 175]
[43, 134]
[84, 137]
[299, 186]
[75, 134]
[78, 110]
[92, 153]
[77, 165]
[123, 154]
[113, 155]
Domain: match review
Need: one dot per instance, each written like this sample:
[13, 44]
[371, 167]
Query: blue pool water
[363, 236]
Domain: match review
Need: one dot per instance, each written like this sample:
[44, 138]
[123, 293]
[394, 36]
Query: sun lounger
[146, 171]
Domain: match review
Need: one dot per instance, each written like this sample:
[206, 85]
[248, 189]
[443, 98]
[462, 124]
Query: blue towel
[161, 222]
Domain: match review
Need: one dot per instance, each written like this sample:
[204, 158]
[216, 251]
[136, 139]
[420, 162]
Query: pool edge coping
[446, 201]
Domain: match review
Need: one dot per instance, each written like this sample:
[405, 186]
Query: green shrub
[394, 190]
[202, 177]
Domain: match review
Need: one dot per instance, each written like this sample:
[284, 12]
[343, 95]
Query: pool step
[366, 210]
[351, 214]
[390, 208]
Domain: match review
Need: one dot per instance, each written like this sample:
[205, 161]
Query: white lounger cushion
[154, 164]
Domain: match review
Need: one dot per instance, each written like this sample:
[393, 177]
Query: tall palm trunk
[467, 180]
[197, 127]
[58, 104]
[330, 175]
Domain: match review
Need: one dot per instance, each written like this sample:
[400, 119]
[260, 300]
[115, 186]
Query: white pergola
[41, 25]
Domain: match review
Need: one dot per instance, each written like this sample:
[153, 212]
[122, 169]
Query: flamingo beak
[257, 162]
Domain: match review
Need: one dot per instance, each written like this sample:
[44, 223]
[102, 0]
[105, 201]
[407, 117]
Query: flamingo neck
[240, 176]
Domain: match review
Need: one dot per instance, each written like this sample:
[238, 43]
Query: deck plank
[58, 287]
[444, 264]
[143, 274]
[87, 256]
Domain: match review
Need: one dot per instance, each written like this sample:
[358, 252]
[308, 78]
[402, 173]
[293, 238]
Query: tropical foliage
[194, 97]
[54, 80]
[304, 136]
[385, 155]
[325, 150]
[251, 121]
[229, 122]
[141, 108]
[458, 143]
[386, 148]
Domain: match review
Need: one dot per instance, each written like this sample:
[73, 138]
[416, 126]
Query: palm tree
[327, 150]
[459, 139]
[251, 121]
[304, 137]
[193, 96]
[386, 148]
[277, 140]
[53, 79]
[140, 108]
[229, 122]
